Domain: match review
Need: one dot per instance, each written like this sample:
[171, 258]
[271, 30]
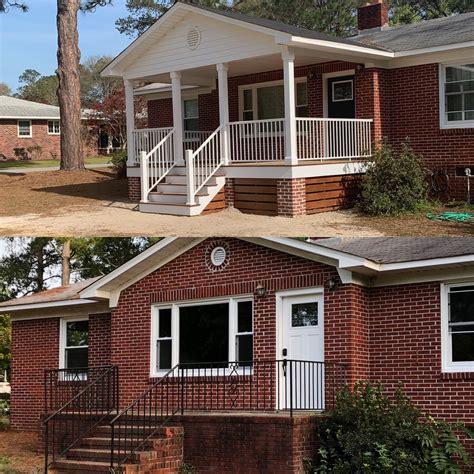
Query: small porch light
[260, 291]
[332, 283]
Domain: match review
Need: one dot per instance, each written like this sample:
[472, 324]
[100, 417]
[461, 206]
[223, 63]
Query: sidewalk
[48, 168]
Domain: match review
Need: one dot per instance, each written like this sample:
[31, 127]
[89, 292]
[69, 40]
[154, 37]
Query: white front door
[302, 344]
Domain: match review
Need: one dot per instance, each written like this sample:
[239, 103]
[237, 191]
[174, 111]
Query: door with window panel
[302, 378]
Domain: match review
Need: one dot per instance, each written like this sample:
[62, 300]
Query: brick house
[30, 126]
[198, 347]
[279, 120]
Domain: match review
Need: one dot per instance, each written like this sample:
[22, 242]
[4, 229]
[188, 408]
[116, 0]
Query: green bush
[369, 433]
[119, 163]
[5, 405]
[395, 183]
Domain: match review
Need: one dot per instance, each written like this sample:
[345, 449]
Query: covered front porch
[224, 93]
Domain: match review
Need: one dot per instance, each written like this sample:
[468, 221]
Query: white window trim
[261, 85]
[342, 82]
[18, 129]
[154, 373]
[447, 365]
[59, 126]
[443, 123]
[62, 337]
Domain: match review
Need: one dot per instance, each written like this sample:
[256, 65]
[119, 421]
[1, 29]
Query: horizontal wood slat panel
[331, 192]
[217, 204]
[256, 196]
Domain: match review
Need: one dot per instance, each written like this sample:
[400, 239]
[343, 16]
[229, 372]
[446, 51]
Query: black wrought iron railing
[257, 386]
[93, 396]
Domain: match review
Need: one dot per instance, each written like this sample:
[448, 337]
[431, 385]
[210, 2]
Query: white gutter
[46, 304]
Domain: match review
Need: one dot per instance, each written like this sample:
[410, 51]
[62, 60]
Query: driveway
[94, 203]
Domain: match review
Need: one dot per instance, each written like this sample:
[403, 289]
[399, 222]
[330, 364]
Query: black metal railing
[89, 405]
[257, 386]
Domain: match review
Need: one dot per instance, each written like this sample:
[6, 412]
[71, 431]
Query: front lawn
[95, 160]
[19, 453]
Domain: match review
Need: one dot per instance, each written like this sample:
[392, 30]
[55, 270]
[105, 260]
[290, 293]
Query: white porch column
[224, 110]
[291, 151]
[130, 119]
[177, 117]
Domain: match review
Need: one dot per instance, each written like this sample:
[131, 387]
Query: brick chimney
[372, 15]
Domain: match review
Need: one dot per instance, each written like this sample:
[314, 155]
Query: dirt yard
[18, 453]
[94, 203]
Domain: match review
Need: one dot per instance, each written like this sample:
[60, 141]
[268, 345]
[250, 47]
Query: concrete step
[102, 442]
[89, 454]
[181, 180]
[169, 209]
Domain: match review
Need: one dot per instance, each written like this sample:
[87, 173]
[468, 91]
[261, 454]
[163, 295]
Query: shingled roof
[395, 249]
[13, 108]
[61, 293]
[425, 34]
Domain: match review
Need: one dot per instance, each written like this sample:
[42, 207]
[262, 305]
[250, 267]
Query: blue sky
[28, 40]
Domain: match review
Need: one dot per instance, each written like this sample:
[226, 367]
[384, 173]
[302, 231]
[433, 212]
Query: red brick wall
[249, 444]
[9, 139]
[160, 113]
[291, 197]
[188, 278]
[414, 101]
[372, 16]
[99, 340]
[35, 347]
[134, 189]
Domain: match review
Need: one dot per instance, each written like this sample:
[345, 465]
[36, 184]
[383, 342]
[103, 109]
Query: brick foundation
[134, 189]
[229, 192]
[291, 197]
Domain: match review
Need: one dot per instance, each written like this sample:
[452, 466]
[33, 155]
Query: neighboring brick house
[228, 337]
[31, 130]
[281, 120]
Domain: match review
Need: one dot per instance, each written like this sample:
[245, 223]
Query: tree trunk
[39, 280]
[69, 90]
[66, 263]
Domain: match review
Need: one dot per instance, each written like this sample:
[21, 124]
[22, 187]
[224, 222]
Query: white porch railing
[156, 164]
[194, 139]
[146, 139]
[257, 140]
[202, 164]
[333, 139]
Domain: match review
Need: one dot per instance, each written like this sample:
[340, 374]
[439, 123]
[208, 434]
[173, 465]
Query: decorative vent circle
[218, 256]
[193, 40]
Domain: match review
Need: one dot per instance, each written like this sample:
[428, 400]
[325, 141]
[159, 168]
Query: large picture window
[266, 101]
[74, 343]
[457, 95]
[458, 328]
[202, 334]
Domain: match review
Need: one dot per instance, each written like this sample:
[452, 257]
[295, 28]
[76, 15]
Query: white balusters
[333, 139]
[146, 139]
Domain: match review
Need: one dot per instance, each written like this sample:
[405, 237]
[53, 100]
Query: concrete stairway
[163, 453]
[170, 196]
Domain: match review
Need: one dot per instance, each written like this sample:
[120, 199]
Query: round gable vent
[193, 39]
[217, 255]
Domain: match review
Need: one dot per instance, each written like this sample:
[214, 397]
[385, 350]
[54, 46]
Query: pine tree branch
[5, 5]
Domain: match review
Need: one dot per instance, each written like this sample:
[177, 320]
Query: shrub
[21, 153]
[34, 152]
[395, 183]
[119, 163]
[367, 432]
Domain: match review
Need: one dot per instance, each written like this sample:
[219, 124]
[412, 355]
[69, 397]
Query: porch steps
[170, 196]
[161, 453]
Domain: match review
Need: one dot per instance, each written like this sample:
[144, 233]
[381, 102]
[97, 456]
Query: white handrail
[257, 140]
[156, 164]
[146, 139]
[333, 139]
[202, 164]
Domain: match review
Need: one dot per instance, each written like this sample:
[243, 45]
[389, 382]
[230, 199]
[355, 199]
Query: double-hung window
[53, 127]
[24, 129]
[202, 335]
[457, 95]
[266, 101]
[458, 328]
[74, 343]
[191, 115]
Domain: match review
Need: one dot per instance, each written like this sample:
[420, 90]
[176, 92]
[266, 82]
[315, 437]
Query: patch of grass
[4, 424]
[6, 466]
[48, 163]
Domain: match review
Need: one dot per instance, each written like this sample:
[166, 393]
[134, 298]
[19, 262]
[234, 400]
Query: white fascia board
[422, 264]
[49, 305]
[326, 45]
[434, 49]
